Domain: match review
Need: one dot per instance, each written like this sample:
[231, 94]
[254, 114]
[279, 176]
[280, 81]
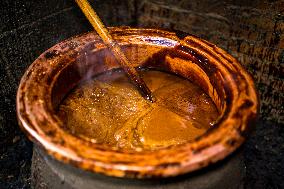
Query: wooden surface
[252, 31]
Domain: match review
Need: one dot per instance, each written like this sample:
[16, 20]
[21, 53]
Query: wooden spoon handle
[102, 31]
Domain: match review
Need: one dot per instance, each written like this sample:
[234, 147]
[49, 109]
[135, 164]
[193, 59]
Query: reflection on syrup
[109, 109]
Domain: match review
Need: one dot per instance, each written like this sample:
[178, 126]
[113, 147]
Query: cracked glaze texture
[60, 68]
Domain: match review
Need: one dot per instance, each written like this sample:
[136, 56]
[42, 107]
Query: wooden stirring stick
[114, 47]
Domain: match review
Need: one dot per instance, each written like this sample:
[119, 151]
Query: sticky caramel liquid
[110, 110]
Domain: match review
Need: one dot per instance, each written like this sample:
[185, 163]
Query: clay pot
[63, 66]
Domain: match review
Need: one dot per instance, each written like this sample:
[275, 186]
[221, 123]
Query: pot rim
[36, 116]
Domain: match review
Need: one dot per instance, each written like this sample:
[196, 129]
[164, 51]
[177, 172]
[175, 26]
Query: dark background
[252, 31]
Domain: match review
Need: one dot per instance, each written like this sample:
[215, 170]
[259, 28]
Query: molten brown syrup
[110, 110]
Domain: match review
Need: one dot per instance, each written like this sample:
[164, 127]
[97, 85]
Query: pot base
[48, 173]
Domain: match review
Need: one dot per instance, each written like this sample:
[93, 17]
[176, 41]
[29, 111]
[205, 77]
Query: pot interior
[93, 62]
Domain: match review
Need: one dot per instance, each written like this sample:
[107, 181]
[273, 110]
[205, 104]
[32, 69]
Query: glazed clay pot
[63, 66]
